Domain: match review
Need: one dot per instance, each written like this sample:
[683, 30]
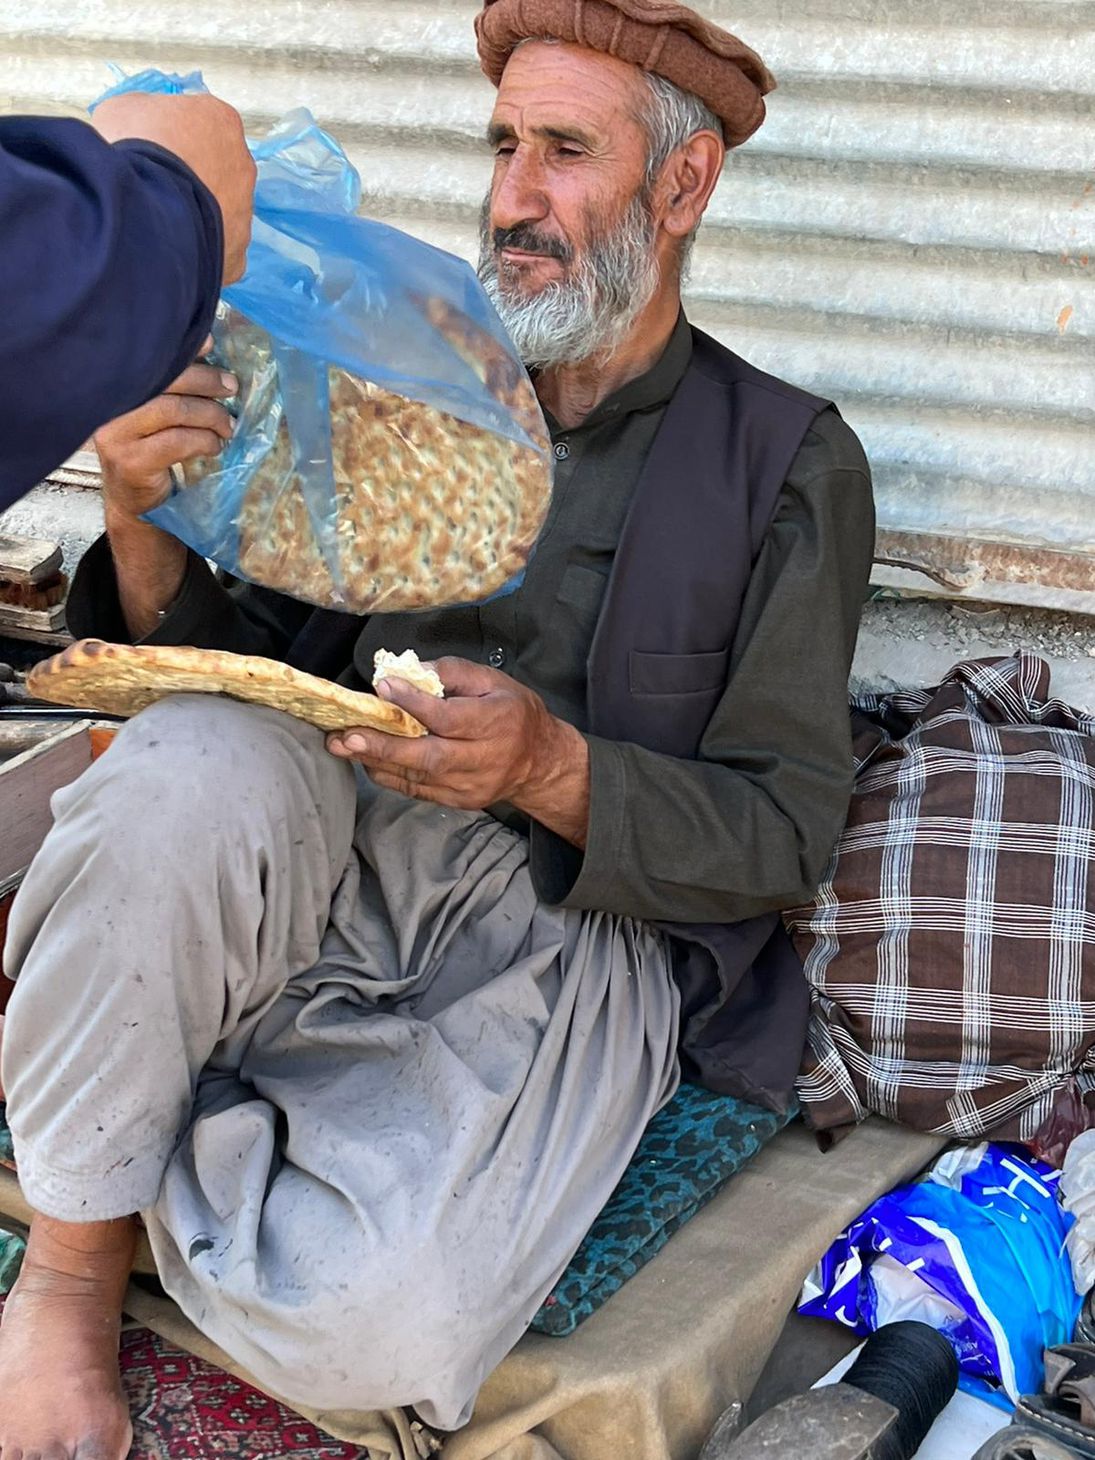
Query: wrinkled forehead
[555, 87]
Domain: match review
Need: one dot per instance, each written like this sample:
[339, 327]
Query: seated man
[369, 1029]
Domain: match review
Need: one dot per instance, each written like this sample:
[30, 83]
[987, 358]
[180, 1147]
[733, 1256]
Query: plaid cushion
[951, 946]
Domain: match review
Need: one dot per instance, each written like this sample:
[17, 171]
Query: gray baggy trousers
[367, 1091]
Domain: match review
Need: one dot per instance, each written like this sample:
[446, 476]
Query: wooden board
[23, 732]
[26, 784]
[28, 559]
[53, 641]
[43, 624]
[80, 470]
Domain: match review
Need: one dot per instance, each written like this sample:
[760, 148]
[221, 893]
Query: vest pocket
[677, 674]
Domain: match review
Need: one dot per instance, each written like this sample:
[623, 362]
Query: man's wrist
[556, 794]
[149, 568]
[124, 527]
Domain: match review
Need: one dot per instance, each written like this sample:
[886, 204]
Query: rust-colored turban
[665, 38]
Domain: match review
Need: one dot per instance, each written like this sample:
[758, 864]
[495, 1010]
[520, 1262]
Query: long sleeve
[747, 827]
[207, 613]
[110, 269]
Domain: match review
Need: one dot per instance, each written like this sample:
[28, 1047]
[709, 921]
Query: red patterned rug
[185, 1409]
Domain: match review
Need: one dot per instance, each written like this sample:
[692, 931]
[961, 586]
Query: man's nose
[519, 194]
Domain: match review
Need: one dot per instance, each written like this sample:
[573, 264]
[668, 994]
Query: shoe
[1065, 1410]
[1019, 1442]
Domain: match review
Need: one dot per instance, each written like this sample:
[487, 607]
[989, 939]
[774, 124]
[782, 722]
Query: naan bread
[121, 679]
[428, 510]
[408, 667]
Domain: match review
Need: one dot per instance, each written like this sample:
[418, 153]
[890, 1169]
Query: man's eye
[505, 149]
[570, 152]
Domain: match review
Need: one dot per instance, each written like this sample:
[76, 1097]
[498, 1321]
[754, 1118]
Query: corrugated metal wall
[912, 232]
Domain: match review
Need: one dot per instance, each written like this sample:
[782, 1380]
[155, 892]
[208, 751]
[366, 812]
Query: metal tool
[837, 1422]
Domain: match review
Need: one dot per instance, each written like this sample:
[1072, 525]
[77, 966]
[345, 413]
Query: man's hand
[208, 135]
[137, 453]
[491, 739]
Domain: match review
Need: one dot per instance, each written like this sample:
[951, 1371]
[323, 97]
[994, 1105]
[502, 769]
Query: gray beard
[590, 311]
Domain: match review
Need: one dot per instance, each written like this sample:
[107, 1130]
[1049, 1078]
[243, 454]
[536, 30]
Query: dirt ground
[906, 643]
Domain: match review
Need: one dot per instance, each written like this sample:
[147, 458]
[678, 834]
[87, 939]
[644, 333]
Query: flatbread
[409, 668]
[122, 679]
[428, 511]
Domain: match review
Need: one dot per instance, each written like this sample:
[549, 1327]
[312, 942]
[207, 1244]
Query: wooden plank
[28, 559]
[26, 785]
[39, 620]
[80, 470]
[59, 640]
[23, 732]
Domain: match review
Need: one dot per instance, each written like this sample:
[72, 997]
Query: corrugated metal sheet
[912, 232]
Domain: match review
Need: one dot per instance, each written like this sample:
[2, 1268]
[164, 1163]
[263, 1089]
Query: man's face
[567, 237]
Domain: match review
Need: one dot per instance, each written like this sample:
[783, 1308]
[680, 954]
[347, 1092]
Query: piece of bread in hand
[408, 667]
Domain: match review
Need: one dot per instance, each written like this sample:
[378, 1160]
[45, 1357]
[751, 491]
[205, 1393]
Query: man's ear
[687, 181]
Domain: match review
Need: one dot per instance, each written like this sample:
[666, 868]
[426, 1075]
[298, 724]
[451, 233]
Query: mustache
[527, 239]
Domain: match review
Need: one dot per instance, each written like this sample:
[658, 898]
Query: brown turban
[658, 36]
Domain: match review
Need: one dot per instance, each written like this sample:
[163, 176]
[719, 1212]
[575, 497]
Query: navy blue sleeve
[110, 270]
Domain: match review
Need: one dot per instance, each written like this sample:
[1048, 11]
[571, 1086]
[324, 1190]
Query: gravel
[912, 642]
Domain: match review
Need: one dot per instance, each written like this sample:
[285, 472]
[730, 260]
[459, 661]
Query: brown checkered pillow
[950, 949]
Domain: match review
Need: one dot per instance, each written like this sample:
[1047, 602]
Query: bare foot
[60, 1390]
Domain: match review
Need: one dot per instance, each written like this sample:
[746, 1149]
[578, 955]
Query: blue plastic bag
[389, 451]
[976, 1249]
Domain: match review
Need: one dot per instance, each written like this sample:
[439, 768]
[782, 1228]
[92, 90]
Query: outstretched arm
[112, 255]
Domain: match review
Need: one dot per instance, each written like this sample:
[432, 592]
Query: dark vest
[658, 666]
[659, 663]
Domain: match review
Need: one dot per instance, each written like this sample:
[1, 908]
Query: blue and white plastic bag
[389, 452]
[976, 1249]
